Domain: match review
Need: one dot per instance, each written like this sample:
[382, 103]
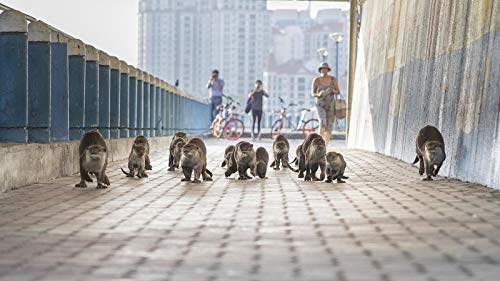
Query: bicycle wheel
[234, 129]
[276, 128]
[310, 126]
[217, 129]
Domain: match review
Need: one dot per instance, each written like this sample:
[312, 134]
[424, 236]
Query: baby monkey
[335, 167]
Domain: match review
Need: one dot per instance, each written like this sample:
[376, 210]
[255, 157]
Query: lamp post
[337, 38]
[323, 53]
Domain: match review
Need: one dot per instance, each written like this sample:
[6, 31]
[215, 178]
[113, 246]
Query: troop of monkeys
[190, 154]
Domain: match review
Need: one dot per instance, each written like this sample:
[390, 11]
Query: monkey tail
[295, 160]
[223, 164]
[125, 172]
[290, 167]
[272, 164]
[416, 160]
[344, 177]
[208, 172]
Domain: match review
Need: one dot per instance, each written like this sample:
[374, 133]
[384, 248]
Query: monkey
[93, 153]
[261, 160]
[297, 152]
[177, 153]
[281, 146]
[430, 152]
[311, 157]
[242, 159]
[194, 159]
[335, 167]
[179, 136]
[227, 155]
[142, 140]
[137, 160]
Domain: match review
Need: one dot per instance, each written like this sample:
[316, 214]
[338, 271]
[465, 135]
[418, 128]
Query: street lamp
[323, 53]
[337, 38]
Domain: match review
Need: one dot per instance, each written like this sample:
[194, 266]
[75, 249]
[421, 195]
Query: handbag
[249, 105]
[340, 107]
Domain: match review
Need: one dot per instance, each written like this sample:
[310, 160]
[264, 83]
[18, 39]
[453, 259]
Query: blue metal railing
[53, 87]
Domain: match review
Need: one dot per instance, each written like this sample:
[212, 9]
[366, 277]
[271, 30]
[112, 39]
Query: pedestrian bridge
[415, 63]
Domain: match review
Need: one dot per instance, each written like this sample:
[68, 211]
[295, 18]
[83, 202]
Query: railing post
[158, 115]
[114, 101]
[104, 91]
[13, 77]
[38, 82]
[76, 84]
[152, 106]
[164, 108]
[59, 93]
[140, 91]
[91, 88]
[145, 105]
[170, 109]
[132, 101]
[124, 128]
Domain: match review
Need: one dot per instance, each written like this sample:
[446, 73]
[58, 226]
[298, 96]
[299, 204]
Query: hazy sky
[111, 25]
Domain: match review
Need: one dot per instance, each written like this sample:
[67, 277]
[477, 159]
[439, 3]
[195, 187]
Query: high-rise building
[185, 40]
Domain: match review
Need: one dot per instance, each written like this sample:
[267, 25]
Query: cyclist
[256, 96]
[216, 85]
[324, 89]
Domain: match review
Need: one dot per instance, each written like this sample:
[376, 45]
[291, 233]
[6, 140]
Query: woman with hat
[324, 89]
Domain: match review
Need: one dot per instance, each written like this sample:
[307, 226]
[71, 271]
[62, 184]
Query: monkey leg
[100, 180]
[106, 179]
[142, 173]
[428, 171]
[308, 173]
[196, 178]
[322, 167]
[148, 163]
[302, 166]
[329, 179]
[276, 164]
[436, 171]
[314, 169]
[230, 170]
[421, 166]
[242, 172]
[340, 177]
[253, 169]
[187, 171]
[83, 177]
[171, 164]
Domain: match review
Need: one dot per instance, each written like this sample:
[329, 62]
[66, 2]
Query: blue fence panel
[104, 95]
[59, 95]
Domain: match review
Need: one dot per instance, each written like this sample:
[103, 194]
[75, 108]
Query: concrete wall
[23, 164]
[431, 62]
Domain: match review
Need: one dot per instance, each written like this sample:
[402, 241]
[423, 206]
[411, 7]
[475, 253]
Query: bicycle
[305, 126]
[226, 122]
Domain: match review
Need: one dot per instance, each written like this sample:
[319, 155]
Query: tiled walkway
[383, 224]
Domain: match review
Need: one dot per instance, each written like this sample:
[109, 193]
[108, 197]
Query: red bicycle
[305, 126]
[226, 123]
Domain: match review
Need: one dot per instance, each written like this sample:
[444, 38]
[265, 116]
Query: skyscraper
[185, 40]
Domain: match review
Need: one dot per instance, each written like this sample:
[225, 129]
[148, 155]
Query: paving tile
[383, 224]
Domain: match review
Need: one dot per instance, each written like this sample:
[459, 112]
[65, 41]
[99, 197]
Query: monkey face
[96, 153]
[190, 150]
[318, 143]
[140, 140]
[180, 135]
[246, 147]
[331, 156]
[178, 149]
[140, 149]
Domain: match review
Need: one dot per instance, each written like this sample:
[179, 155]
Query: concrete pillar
[104, 91]
[114, 98]
[59, 93]
[140, 114]
[164, 105]
[145, 105]
[124, 128]
[152, 106]
[38, 82]
[91, 88]
[13, 77]
[170, 110]
[132, 101]
[76, 84]
[158, 115]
